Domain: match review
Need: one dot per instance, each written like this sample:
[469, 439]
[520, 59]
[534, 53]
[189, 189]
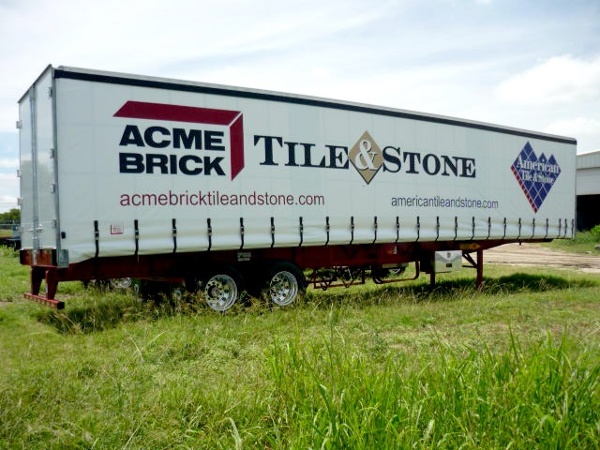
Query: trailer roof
[231, 91]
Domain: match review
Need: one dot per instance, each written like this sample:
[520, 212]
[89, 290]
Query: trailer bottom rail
[56, 304]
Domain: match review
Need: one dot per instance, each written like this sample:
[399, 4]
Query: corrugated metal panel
[588, 173]
[588, 181]
[588, 160]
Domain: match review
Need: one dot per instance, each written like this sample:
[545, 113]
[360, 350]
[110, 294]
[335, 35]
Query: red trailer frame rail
[253, 264]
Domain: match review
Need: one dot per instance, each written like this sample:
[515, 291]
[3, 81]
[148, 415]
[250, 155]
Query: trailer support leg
[479, 280]
[39, 274]
[51, 283]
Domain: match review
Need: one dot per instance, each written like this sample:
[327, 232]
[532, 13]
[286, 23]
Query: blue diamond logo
[536, 176]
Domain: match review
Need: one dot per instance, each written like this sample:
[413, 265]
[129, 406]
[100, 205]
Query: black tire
[285, 283]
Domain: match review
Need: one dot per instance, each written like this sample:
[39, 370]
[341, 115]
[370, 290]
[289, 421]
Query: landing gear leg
[479, 280]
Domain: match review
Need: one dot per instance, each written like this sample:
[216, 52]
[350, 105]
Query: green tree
[14, 215]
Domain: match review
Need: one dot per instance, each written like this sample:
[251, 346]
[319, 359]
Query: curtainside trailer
[232, 190]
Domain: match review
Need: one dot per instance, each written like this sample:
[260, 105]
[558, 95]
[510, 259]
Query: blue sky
[530, 64]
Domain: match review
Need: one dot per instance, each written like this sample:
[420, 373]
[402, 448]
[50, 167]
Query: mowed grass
[513, 365]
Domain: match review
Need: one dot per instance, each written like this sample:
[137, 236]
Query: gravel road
[536, 255]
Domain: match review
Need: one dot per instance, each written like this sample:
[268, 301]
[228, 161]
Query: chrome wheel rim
[221, 292]
[283, 288]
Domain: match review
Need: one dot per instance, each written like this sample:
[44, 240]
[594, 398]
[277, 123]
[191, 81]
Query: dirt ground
[536, 255]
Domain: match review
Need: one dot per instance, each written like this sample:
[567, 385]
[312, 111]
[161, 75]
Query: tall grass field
[515, 365]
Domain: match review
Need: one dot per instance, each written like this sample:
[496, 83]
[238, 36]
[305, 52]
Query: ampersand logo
[366, 157]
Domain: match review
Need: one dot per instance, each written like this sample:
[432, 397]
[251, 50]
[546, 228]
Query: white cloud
[560, 79]
[584, 129]
[9, 163]
[574, 126]
[485, 60]
[7, 203]
[9, 191]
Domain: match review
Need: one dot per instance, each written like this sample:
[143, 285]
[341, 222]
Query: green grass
[583, 242]
[513, 365]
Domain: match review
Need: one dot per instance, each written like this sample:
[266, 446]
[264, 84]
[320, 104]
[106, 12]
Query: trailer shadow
[454, 289]
[109, 312]
[505, 285]
[104, 313]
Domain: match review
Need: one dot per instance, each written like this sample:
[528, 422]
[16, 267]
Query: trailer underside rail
[342, 276]
[56, 304]
[377, 279]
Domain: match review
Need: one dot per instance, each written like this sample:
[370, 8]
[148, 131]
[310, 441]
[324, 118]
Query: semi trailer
[231, 190]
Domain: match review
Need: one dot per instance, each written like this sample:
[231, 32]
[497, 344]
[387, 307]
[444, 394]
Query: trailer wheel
[121, 284]
[285, 283]
[221, 290]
